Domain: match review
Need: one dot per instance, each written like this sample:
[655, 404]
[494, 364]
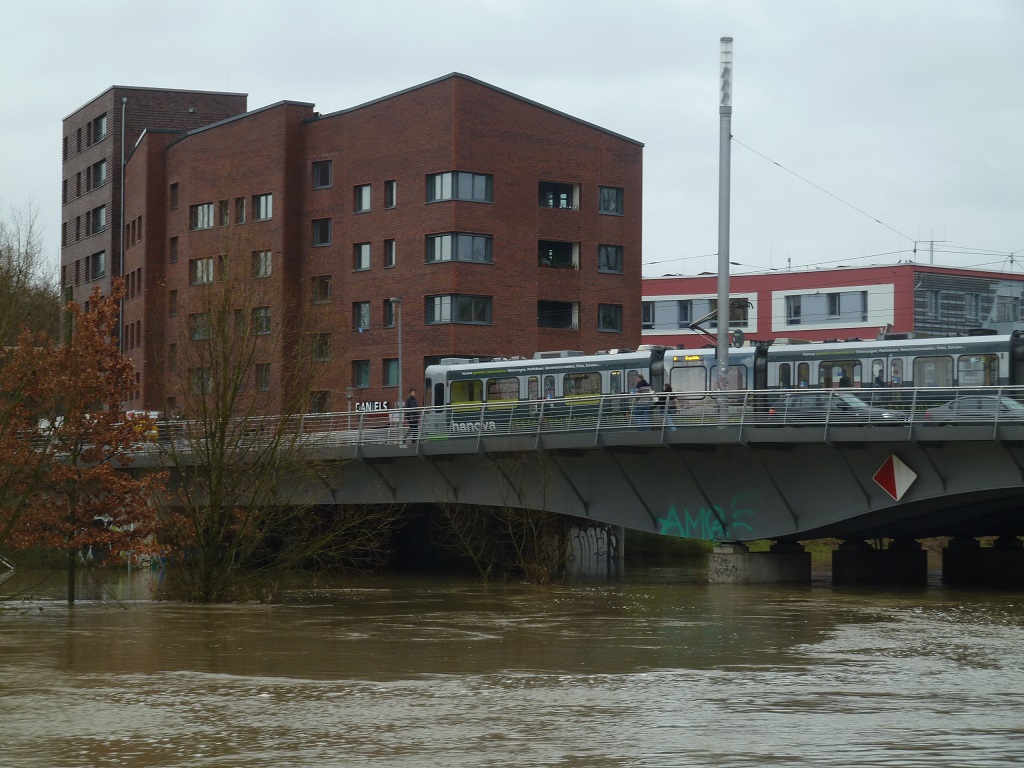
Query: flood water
[657, 669]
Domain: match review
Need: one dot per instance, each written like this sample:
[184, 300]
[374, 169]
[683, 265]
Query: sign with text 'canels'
[895, 477]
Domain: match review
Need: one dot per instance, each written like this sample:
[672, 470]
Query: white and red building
[921, 300]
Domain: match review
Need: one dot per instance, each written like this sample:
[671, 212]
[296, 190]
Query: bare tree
[29, 294]
[233, 513]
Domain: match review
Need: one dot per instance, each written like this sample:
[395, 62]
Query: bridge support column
[966, 563]
[857, 562]
[596, 550]
[734, 563]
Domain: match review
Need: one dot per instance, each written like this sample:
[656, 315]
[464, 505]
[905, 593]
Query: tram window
[735, 379]
[785, 376]
[977, 370]
[549, 386]
[690, 378]
[803, 374]
[878, 373]
[896, 370]
[581, 384]
[533, 388]
[933, 371]
[467, 391]
[503, 389]
[438, 394]
[615, 383]
[832, 372]
[631, 379]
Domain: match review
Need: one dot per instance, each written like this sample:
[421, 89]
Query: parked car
[833, 406]
[975, 408]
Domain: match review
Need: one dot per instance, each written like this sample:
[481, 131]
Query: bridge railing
[597, 415]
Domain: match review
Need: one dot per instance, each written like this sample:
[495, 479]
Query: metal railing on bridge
[818, 413]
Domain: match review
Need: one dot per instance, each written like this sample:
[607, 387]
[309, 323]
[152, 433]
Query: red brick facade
[394, 146]
[92, 140]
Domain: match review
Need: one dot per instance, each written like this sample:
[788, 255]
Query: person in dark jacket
[412, 417]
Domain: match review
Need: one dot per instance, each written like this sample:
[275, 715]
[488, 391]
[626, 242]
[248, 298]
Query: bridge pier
[857, 562]
[596, 549]
[966, 563]
[734, 563]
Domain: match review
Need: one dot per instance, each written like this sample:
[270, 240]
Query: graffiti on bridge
[707, 522]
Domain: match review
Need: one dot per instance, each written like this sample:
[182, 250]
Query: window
[323, 174]
[1007, 309]
[240, 210]
[174, 195]
[361, 256]
[224, 208]
[200, 216]
[609, 258]
[738, 313]
[611, 201]
[933, 371]
[389, 253]
[96, 220]
[261, 321]
[972, 309]
[172, 250]
[834, 304]
[200, 271]
[263, 377]
[262, 207]
[361, 315]
[199, 327]
[609, 317]
[360, 373]
[458, 308]
[320, 402]
[172, 357]
[362, 196]
[793, 310]
[321, 347]
[97, 175]
[199, 380]
[390, 372]
[477, 187]
[458, 246]
[390, 193]
[321, 289]
[977, 370]
[665, 315]
[581, 384]
[556, 314]
[96, 266]
[98, 129]
[321, 232]
[262, 263]
[555, 195]
[172, 302]
[557, 254]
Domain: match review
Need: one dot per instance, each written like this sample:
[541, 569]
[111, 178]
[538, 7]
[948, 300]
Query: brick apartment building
[95, 137]
[503, 227]
[907, 298]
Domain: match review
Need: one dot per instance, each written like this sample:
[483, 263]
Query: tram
[961, 361]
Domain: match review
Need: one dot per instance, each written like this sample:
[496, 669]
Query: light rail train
[575, 379]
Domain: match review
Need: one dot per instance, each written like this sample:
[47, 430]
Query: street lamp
[396, 303]
[350, 393]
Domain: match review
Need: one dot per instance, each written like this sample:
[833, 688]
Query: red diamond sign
[895, 477]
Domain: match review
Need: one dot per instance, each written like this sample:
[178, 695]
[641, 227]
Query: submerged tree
[233, 517]
[76, 493]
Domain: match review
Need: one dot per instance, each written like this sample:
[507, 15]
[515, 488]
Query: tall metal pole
[724, 159]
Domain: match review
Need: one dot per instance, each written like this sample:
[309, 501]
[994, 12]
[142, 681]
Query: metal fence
[665, 414]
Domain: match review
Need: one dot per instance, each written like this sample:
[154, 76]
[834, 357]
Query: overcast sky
[860, 126]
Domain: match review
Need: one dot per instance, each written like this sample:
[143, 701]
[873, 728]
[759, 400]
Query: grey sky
[909, 110]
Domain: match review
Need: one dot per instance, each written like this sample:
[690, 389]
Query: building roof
[459, 75]
[146, 88]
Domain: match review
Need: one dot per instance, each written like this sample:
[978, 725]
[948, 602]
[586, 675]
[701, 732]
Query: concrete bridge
[725, 468]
